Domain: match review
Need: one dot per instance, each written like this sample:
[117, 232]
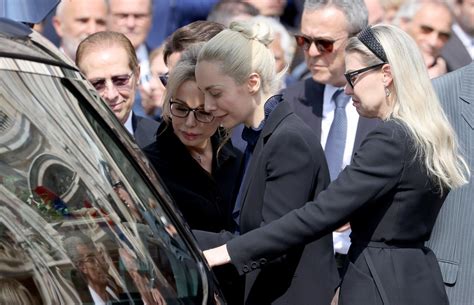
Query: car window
[78, 222]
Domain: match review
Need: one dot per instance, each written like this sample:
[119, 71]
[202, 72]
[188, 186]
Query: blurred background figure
[429, 23]
[270, 8]
[77, 19]
[376, 11]
[391, 8]
[459, 50]
[226, 11]
[283, 46]
[133, 18]
[152, 98]
[108, 60]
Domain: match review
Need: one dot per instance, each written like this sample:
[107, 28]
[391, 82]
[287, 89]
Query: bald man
[77, 19]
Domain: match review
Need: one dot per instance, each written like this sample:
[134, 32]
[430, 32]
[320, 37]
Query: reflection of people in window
[93, 268]
[12, 292]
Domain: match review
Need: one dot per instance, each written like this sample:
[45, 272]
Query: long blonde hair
[417, 106]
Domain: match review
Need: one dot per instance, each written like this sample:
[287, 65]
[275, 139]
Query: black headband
[367, 37]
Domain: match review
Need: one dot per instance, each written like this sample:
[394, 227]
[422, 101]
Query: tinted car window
[78, 220]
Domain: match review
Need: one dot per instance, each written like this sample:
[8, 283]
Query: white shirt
[142, 56]
[128, 124]
[98, 300]
[341, 240]
[467, 41]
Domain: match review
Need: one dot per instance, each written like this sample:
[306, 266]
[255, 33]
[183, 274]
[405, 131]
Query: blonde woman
[392, 191]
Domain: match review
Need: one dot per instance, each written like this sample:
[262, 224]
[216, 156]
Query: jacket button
[254, 265]
[245, 269]
[263, 261]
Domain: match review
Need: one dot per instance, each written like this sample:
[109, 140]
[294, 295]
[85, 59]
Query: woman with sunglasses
[190, 153]
[391, 192]
[284, 161]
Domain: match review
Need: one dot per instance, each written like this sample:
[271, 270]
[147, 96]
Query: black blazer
[387, 196]
[288, 167]
[204, 200]
[306, 98]
[144, 130]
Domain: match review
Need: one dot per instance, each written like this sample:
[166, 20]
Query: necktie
[336, 140]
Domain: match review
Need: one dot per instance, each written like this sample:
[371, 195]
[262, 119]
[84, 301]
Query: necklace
[197, 158]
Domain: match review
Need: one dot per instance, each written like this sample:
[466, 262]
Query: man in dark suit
[452, 237]
[325, 28]
[459, 50]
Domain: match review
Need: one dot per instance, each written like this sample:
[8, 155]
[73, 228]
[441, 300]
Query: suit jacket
[287, 169]
[452, 239]
[144, 130]
[392, 205]
[455, 53]
[306, 98]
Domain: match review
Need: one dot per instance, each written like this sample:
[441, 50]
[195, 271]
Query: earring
[387, 92]
[221, 125]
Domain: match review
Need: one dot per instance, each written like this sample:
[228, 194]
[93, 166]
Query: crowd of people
[322, 147]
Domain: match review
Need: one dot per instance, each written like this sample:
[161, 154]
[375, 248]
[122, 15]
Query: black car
[83, 218]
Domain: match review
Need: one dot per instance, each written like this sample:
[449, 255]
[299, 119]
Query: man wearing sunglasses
[109, 62]
[325, 28]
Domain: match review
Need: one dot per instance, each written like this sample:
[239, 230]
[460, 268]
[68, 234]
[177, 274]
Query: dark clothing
[392, 205]
[204, 200]
[287, 168]
[144, 130]
[455, 53]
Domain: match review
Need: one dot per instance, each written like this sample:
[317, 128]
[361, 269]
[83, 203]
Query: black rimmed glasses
[323, 45]
[180, 110]
[120, 82]
[351, 77]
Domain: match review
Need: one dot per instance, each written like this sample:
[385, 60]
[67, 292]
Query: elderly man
[133, 18]
[77, 19]
[429, 23]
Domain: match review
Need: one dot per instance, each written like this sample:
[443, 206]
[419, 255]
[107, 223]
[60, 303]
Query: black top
[205, 200]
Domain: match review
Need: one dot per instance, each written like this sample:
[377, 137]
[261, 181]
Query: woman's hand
[217, 256]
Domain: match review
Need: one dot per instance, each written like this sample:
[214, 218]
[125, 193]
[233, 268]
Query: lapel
[466, 95]
[271, 124]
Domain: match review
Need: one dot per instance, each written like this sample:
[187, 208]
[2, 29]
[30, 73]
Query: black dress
[204, 199]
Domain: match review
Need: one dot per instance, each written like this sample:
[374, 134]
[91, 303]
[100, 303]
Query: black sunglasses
[120, 82]
[163, 78]
[351, 77]
[180, 110]
[323, 45]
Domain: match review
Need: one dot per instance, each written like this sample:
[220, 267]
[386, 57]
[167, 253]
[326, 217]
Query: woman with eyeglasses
[391, 192]
[191, 155]
[284, 163]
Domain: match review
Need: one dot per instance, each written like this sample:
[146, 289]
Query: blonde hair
[182, 72]
[242, 50]
[417, 106]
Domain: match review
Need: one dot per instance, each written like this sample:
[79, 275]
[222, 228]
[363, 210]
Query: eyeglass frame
[189, 109]
[351, 74]
[123, 87]
[308, 42]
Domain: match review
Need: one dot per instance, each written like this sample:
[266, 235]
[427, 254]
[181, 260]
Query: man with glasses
[109, 62]
[320, 100]
[133, 18]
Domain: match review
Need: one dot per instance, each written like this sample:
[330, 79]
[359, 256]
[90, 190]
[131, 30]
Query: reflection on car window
[77, 221]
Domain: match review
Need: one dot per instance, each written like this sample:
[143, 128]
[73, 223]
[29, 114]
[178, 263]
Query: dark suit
[144, 130]
[392, 206]
[452, 239]
[306, 98]
[287, 169]
[455, 53]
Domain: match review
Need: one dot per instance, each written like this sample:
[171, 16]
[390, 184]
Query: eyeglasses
[182, 111]
[163, 78]
[351, 77]
[120, 82]
[323, 45]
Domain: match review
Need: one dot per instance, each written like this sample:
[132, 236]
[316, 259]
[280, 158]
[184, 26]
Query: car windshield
[79, 223]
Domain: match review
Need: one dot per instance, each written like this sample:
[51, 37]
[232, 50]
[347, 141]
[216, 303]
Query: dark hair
[182, 38]
[104, 39]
